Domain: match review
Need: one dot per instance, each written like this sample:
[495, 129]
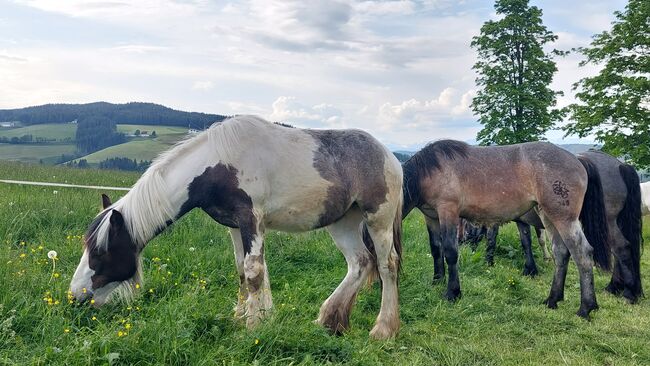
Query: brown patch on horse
[118, 261]
[255, 283]
[353, 180]
[217, 192]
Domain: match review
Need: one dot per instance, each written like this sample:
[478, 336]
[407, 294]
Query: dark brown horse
[449, 179]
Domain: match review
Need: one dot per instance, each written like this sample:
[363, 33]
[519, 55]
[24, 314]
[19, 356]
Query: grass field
[140, 148]
[58, 131]
[184, 312]
[34, 153]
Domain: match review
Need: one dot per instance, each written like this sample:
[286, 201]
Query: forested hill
[129, 113]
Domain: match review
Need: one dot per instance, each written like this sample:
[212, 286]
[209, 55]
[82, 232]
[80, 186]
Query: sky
[400, 70]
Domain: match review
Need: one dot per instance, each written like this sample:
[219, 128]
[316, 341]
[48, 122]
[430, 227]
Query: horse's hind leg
[259, 302]
[335, 311]
[530, 269]
[562, 256]
[623, 276]
[242, 295]
[380, 228]
[433, 228]
[582, 253]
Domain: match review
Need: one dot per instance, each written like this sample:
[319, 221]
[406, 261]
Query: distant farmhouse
[8, 124]
[193, 131]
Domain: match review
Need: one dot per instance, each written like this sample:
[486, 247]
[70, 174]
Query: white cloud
[203, 85]
[288, 109]
[415, 113]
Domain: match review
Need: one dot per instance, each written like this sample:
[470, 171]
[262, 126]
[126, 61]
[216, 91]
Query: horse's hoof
[630, 296]
[437, 279]
[453, 295]
[382, 332]
[613, 288]
[550, 303]
[531, 272]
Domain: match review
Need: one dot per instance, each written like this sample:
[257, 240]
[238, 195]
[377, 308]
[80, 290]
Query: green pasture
[34, 153]
[57, 131]
[183, 314]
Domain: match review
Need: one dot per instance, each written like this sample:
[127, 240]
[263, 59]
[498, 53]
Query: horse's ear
[106, 202]
[117, 220]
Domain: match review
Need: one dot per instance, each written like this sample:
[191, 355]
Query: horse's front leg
[242, 294]
[435, 243]
[448, 215]
[491, 234]
[530, 269]
[259, 301]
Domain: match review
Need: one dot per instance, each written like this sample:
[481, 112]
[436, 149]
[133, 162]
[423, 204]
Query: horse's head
[110, 259]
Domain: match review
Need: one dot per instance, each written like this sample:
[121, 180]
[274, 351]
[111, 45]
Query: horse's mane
[426, 160]
[146, 207]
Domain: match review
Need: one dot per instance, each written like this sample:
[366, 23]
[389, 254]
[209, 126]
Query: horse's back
[304, 179]
[614, 187]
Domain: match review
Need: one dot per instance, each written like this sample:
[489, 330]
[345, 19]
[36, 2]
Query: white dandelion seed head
[52, 254]
[192, 249]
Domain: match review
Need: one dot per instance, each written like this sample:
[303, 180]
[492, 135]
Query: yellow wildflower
[66, 330]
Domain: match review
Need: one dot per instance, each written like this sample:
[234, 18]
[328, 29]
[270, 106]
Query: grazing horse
[251, 176]
[622, 197]
[645, 198]
[447, 180]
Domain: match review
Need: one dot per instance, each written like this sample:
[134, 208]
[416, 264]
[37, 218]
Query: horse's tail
[397, 244]
[594, 218]
[629, 220]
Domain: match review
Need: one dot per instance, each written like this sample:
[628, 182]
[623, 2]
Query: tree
[137, 133]
[614, 105]
[153, 134]
[514, 102]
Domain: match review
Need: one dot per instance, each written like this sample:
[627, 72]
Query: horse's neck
[161, 197]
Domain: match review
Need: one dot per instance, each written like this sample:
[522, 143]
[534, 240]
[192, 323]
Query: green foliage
[183, 321]
[614, 105]
[97, 132]
[514, 102]
[131, 113]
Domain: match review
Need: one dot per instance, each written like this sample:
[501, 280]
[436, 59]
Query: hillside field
[183, 314]
[136, 148]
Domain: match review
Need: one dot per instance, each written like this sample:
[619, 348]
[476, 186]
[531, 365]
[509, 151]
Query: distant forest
[129, 113]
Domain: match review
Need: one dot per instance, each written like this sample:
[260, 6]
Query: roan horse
[622, 198]
[450, 179]
[251, 175]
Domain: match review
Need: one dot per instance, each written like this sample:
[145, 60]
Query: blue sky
[398, 69]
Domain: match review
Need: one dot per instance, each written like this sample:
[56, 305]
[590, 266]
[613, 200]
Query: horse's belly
[298, 216]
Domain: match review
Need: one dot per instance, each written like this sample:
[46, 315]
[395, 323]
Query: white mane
[146, 207]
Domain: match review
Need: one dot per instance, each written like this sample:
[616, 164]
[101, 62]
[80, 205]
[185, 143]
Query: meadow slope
[183, 314]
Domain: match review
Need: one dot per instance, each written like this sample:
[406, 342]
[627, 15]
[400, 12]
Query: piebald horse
[447, 180]
[251, 176]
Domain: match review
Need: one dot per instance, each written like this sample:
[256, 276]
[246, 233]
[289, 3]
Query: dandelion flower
[257, 341]
[52, 254]
[23, 255]
[56, 275]
[66, 330]
[121, 334]
[94, 318]
[127, 326]
[137, 285]
[92, 301]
